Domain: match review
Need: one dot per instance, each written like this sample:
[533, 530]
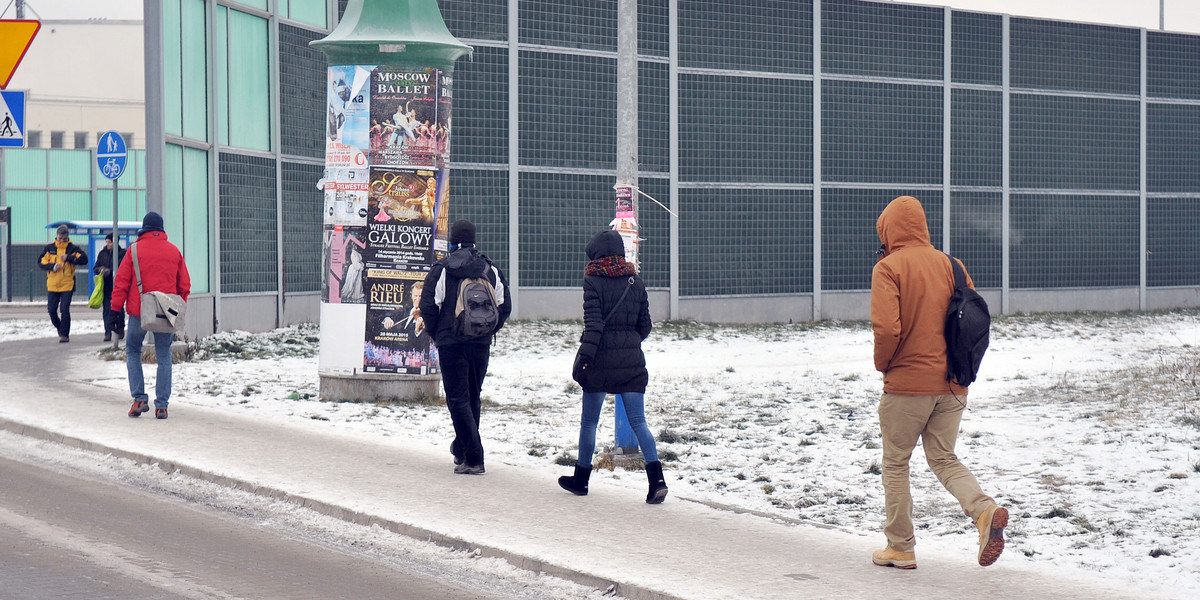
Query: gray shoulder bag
[161, 312]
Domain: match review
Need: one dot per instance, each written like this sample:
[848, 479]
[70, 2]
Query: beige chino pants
[934, 420]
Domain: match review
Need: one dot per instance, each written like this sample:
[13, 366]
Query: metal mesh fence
[1173, 148]
[1069, 142]
[568, 110]
[1067, 241]
[736, 240]
[301, 103]
[1054, 55]
[481, 196]
[588, 25]
[881, 132]
[1173, 66]
[249, 260]
[1172, 246]
[881, 40]
[303, 206]
[744, 129]
[480, 111]
[768, 35]
[976, 232]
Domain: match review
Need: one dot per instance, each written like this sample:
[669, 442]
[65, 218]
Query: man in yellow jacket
[59, 259]
[910, 293]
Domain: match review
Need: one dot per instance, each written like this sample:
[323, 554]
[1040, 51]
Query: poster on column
[346, 197]
[344, 257]
[441, 216]
[405, 127]
[347, 114]
[625, 221]
[400, 218]
[396, 340]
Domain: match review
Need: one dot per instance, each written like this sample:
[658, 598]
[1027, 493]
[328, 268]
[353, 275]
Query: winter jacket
[62, 280]
[104, 261]
[162, 268]
[910, 292]
[440, 294]
[619, 364]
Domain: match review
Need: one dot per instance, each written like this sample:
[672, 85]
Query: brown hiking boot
[894, 558]
[991, 526]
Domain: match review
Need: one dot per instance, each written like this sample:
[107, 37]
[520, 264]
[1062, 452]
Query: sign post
[6, 220]
[110, 158]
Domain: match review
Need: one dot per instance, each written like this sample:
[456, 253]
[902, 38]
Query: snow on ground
[1087, 426]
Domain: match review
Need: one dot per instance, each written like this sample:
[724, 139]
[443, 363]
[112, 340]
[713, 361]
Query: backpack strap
[960, 278]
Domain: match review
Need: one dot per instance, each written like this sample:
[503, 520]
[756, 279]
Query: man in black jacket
[105, 266]
[464, 360]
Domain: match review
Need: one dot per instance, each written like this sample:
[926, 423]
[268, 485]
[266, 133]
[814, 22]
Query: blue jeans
[134, 337]
[634, 410]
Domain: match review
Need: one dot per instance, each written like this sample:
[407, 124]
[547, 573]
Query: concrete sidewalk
[676, 550]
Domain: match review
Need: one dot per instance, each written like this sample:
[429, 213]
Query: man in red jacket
[910, 293]
[162, 269]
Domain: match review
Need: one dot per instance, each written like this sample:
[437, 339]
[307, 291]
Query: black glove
[583, 362]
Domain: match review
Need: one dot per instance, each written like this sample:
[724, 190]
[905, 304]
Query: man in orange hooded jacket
[910, 293]
[162, 269]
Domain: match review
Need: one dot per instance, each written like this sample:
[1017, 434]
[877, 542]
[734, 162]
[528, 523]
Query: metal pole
[20, 9]
[116, 251]
[625, 443]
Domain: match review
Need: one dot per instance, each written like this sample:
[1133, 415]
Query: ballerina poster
[406, 127]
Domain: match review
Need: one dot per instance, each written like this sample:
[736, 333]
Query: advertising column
[386, 188]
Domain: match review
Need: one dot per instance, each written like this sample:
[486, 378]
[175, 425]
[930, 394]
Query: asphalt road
[63, 535]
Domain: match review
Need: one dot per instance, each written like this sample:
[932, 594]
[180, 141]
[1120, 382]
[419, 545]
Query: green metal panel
[249, 75]
[259, 4]
[172, 68]
[69, 168]
[194, 77]
[29, 215]
[25, 168]
[195, 242]
[70, 206]
[222, 75]
[312, 12]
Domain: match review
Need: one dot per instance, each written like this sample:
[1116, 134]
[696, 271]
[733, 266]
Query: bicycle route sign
[110, 154]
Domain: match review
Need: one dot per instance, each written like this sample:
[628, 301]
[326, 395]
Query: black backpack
[476, 313]
[967, 323]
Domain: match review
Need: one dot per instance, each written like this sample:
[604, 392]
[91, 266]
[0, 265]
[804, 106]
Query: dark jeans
[463, 369]
[58, 304]
[113, 321]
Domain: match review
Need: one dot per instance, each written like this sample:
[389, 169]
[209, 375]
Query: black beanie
[152, 222]
[462, 232]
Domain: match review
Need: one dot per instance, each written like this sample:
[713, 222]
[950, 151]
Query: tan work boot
[894, 558]
[991, 526]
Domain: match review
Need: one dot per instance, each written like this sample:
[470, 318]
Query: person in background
[114, 321]
[911, 286]
[616, 319]
[59, 259]
[464, 361]
[162, 270]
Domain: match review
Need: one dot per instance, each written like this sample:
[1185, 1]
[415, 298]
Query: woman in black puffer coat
[612, 290]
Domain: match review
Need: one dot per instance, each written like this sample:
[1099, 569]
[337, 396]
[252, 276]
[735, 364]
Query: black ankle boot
[577, 483]
[658, 485]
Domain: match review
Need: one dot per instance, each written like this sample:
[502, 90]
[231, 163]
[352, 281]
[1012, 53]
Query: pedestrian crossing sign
[12, 119]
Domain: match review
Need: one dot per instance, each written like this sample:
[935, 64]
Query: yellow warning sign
[15, 38]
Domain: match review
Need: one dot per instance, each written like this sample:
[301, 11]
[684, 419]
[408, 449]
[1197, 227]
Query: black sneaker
[138, 408]
[62, 339]
[458, 458]
[466, 469]
[160, 413]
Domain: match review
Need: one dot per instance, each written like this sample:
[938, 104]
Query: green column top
[392, 32]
